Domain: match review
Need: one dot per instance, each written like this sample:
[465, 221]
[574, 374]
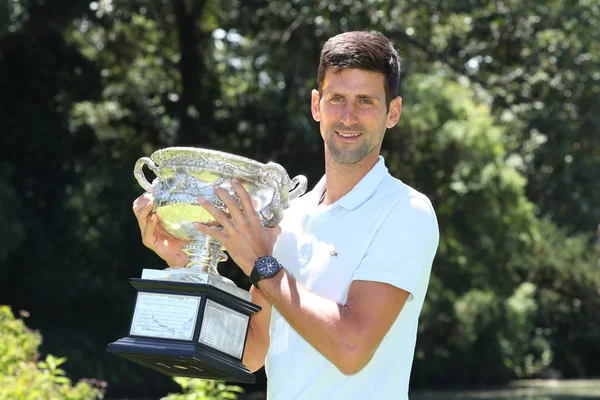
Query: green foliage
[201, 389]
[479, 324]
[448, 144]
[449, 139]
[24, 377]
[18, 344]
[527, 350]
[564, 268]
[482, 311]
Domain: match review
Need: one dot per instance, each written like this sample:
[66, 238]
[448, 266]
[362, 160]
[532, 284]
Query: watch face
[267, 266]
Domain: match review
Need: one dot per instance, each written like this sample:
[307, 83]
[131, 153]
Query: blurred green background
[500, 128]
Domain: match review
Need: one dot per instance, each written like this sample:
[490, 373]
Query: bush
[200, 389]
[548, 325]
[23, 376]
[525, 346]
[565, 269]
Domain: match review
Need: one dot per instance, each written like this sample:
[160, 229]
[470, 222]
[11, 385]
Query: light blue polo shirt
[382, 230]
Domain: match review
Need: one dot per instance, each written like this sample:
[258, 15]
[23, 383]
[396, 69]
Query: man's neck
[340, 179]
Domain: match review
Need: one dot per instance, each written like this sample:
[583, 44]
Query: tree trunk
[191, 67]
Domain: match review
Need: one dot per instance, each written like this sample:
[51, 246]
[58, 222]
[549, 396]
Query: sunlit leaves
[23, 376]
[201, 389]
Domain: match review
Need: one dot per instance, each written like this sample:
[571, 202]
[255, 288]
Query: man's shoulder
[400, 196]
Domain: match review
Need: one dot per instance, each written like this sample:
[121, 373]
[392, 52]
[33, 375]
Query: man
[342, 281]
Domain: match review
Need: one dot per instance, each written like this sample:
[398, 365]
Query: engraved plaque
[167, 316]
[224, 329]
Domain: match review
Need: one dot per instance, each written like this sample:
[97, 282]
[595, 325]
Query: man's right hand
[154, 235]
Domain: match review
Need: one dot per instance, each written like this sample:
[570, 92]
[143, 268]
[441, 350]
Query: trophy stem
[204, 254]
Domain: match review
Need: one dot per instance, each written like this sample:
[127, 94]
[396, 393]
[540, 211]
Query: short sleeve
[403, 246]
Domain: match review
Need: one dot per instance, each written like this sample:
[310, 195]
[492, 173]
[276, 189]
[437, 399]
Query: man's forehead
[355, 80]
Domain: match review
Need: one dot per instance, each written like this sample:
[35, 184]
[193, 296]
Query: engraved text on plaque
[167, 316]
[224, 329]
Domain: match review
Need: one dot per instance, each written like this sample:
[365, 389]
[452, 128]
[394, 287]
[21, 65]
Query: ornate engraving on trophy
[224, 329]
[165, 316]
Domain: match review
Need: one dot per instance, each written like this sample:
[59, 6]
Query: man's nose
[348, 116]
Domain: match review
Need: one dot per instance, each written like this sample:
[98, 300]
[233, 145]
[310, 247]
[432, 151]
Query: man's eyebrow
[358, 96]
[369, 97]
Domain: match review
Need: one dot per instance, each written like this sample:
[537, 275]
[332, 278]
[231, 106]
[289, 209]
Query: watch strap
[254, 277]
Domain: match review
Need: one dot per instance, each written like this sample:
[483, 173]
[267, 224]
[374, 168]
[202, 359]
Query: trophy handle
[139, 174]
[286, 191]
[299, 185]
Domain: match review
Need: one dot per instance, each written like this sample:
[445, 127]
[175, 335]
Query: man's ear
[314, 105]
[394, 112]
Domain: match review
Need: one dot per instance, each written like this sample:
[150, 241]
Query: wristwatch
[264, 267]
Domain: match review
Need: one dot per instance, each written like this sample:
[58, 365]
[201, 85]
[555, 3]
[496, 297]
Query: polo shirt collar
[363, 189]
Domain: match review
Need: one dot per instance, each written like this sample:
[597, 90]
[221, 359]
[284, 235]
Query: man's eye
[366, 101]
[337, 99]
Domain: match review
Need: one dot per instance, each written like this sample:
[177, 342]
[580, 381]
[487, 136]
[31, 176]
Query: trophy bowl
[185, 173]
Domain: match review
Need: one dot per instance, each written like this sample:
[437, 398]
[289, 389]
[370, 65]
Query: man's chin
[346, 158]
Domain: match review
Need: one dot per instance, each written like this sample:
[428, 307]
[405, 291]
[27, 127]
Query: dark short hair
[368, 51]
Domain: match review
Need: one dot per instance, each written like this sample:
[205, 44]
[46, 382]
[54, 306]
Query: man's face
[353, 114]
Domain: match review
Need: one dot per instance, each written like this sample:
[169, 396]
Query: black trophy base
[181, 359]
[189, 354]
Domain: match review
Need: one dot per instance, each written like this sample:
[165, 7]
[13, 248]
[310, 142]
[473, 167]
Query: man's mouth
[348, 134]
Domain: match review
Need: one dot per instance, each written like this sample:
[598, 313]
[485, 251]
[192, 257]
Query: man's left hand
[243, 235]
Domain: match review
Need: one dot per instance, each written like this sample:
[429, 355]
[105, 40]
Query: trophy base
[189, 329]
[181, 359]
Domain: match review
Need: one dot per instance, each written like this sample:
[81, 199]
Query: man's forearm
[257, 342]
[325, 324]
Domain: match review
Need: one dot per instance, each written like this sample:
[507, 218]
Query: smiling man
[343, 279]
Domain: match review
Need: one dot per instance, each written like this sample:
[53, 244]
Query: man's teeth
[348, 134]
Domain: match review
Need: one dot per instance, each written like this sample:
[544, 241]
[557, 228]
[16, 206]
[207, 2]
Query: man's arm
[347, 335]
[257, 343]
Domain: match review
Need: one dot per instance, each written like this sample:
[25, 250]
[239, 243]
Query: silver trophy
[192, 321]
[184, 173]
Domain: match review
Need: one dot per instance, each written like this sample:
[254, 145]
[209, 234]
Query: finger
[140, 203]
[231, 203]
[143, 214]
[146, 210]
[142, 200]
[247, 206]
[212, 231]
[217, 214]
[148, 230]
